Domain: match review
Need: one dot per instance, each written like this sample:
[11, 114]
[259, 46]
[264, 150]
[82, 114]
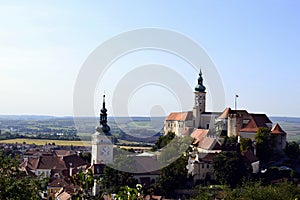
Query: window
[202, 165]
[207, 166]
[207, 126]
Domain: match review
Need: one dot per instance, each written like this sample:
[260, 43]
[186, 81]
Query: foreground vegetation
[15, 184]
[250, 191]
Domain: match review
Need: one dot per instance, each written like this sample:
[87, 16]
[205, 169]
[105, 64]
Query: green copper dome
[200, 87]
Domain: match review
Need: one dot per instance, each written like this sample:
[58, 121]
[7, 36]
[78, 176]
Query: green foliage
[257, 191]
[114, 180]
[163, 140]
[231, 140]
[251, 191]
[14, 184]
[292, 150]
[86, 182]
[172, 177]
[230, 168]
[246, 144]
[128, 193]
[264, 144]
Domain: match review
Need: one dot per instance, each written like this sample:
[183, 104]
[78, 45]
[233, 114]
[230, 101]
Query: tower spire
[103, 118]
[200, 87]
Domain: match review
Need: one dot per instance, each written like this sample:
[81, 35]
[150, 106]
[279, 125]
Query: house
[55, 186]
[200, 166]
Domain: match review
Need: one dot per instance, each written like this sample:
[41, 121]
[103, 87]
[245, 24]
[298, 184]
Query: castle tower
[199, 101]
[102, 146]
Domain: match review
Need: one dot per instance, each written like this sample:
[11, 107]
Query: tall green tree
[229, 168]
[15, 184]
[264, 144]
[174, 176]
[164, 140]
[292, 150]
[86, 182]
[246, 144]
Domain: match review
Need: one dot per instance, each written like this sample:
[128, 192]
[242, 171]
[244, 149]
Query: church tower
[199, 101]
[102, 145]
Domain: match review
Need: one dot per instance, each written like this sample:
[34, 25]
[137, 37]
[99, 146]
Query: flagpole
[235, 102]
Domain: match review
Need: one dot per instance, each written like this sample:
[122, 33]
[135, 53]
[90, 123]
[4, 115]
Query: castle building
[210, 125]
[183, 123]
[209, 129]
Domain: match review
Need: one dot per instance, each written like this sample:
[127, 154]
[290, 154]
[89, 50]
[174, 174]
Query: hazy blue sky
[255, 46]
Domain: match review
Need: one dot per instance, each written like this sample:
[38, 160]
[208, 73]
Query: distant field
[43, 142]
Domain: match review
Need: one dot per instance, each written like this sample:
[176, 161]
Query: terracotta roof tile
[32, 163]
[51, 162]
[278, 130]
[261, 120]
[61, 152]
[58, 183]
[207, 157]
[64, 196]
[180, 116]
[257, 121]
[250, 127]
[241, 113]
[75, 160]
[199, 135]
[225, 113]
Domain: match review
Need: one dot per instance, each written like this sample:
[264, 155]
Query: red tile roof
[64, 196]
[278, 130]
[250, 127]
[32, 163]
[225, 114]
[261, 119]
[257, 121]
[51, 162]
[199, 135]
[241, 113]
[207, 157]
[180, 116]
[75, 160]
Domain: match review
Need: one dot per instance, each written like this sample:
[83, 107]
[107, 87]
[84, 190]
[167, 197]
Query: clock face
[105, 151]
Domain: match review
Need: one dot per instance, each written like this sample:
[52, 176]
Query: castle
[199, 123]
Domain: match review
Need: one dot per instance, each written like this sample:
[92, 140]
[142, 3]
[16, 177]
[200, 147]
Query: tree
[250, 190]
[14, 184]
[174, 176]
[246, 144]
[86, 182]
[129, 193]
[117, 174]
[264, 144]
[230, 168]
[164, 140]
[292, 150]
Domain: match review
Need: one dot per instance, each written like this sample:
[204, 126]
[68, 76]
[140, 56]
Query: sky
[254, 45]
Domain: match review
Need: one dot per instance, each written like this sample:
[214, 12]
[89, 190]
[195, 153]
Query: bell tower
[102, 145]
[199, 101]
